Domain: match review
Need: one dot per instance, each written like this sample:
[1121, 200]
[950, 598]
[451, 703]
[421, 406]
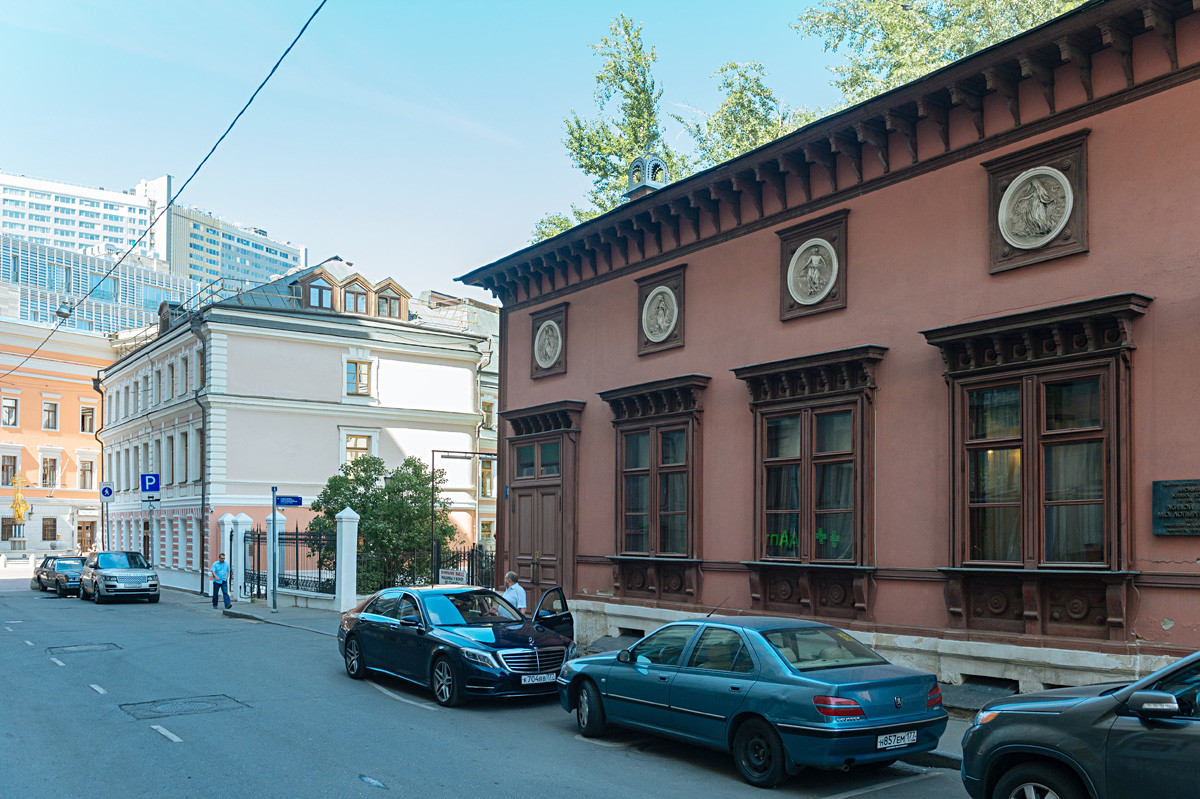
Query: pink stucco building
[920, 370]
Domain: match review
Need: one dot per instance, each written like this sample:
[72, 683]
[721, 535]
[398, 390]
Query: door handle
[662, 678]
[735, 688]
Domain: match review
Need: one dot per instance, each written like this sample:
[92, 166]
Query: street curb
[234, 614]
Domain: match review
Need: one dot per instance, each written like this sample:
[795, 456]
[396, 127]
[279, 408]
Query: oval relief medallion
[812, 271]
[547, 344]
[1035, 207]
[660, 312]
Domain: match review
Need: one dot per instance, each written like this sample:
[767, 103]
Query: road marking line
[97, 689]
[613, 744]
[399, 698]
[13, 621]
[56, 660]
[170, 736]
[9, 629]
[29, 643]
[887, 786]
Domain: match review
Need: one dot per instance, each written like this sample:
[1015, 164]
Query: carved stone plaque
[812, 269]
[1035, 208]
[661, 310]
[1176, 507]
[548, 350]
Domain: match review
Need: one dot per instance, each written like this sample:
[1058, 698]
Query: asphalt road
[176, 700]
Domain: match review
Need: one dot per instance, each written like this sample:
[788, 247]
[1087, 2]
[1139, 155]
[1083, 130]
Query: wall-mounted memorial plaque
[1176, 507]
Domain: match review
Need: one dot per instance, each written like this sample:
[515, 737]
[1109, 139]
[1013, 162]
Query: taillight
[935, 697]
[837, 707]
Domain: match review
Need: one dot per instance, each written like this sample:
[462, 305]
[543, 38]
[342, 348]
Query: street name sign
[288, 501]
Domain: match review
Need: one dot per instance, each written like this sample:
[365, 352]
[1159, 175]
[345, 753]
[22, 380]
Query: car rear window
[806, 649]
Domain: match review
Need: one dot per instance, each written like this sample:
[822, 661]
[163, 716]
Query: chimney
[646, 174]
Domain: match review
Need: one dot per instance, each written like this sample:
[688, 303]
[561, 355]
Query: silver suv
[117, 574]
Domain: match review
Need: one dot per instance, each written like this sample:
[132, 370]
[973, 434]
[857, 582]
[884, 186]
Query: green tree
[394, 515]
[889, 43]
[749, 116]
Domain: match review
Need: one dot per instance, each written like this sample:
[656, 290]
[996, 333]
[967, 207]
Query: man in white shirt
[513, 591]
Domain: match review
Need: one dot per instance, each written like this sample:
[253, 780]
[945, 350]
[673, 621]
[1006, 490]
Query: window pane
[834, 432]
[637, 532]
[1075, 533]
[783, 488]
[525, 462]
[720, 650]
[834, 486]
[1073, 404]
[637, 451]
[637, 493]
[672, 533]
[783, 437]
[1075, 471]
[549, 459]
[996, 533]
[672, 492]
[783, 537]
[994, 413]
[664, 647]
[994, 475]
[673, 448]
[834, 538]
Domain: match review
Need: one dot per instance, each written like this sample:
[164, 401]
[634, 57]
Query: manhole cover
[161, 708]
[67, 650]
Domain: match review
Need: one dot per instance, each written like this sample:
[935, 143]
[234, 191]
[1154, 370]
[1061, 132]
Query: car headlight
[572, 651]
[984, 716]
[482, 658]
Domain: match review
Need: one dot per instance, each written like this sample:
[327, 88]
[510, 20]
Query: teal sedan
[779, 694]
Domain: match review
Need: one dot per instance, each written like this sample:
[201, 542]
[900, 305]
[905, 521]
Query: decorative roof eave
[696, 209]
[823, 374]
[548, 418]
[1079, 329]
[660, 398]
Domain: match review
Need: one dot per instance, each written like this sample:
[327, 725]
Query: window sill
[359, 399]
[1083, 568]
[796, 564]
[654, 558]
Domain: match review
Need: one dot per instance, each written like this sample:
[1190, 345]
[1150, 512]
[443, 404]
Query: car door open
[552, 612]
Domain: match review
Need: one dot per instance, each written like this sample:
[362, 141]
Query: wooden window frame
[655, 471]
[354, 295]
[391, 300]
[324, 293]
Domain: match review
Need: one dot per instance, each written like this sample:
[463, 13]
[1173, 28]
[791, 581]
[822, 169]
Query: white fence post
[237, 558]
[226, 525]
[347, 559]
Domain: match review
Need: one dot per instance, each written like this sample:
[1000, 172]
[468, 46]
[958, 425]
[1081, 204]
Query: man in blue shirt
[220, 578]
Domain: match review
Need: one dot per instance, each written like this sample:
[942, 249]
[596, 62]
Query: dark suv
[1108, 741]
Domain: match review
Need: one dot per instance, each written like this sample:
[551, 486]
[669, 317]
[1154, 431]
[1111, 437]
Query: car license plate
[896, 739]
[534, 679]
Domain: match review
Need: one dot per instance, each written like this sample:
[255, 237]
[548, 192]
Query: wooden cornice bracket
[645, 221]
[936, 111]
[962, 94]
[613, 238]
[874, 133]
[701, 200]
[797, 165]
[748, 184]
[849, 146]
[1072, 52]
[904, 123]
[823, 158]
[1159, 17]
[587, 255]
[1004, 81]
[1114, 34]
[570, 261]
[1033, 66]
[683, 208]
[731, 197]
[599, 244]
[630, 231]
[540, 272]
[665, 217]
[768, 173]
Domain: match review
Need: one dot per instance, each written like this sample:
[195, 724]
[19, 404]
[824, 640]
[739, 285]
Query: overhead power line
[63, 317]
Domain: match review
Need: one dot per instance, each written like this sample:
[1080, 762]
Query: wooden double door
[537, 538]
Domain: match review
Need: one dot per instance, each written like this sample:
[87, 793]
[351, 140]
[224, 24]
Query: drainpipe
[196, 326]
[100, 473]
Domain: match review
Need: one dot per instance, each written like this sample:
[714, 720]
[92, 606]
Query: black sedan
[59, 573]
[1107, 741]
[459, 641]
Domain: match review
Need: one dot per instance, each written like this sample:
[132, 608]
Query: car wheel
[445, 683]
[354, 661]
[96, 595]
[41, 585]
[153, 598]
[758, 754]
[60, 589]
[82, 593]
[589, 711]
[1038, 781]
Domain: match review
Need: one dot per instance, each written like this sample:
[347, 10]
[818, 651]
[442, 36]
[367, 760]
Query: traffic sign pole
[273, 554]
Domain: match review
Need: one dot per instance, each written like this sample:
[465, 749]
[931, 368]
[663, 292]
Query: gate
[307, 561]
[254, 582]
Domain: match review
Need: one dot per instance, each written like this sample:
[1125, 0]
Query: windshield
[120, 560]
[470, 608]
[70, 565]
[806, 649]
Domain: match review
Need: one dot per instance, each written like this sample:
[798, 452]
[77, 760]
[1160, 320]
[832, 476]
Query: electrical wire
[96, 283]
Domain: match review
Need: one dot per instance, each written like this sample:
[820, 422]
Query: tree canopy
[889, 43]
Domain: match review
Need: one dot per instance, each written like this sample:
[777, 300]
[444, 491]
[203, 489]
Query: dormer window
[355, 300]
[389, 304]
[320, 294]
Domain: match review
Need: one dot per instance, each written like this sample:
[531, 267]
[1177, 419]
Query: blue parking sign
[149, 483]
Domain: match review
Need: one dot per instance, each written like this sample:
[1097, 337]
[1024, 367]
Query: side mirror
[1154, 704]
[624, 656]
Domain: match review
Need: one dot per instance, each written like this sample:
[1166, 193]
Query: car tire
[758, 754]
[444, 683]
[153, 598]
[354, 659]
[82, 594]
[96, 597]
[41, 585]
[1038, 781]
[589, 711]
[60, 589]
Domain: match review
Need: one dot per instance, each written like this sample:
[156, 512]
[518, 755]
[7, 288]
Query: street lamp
[453, 454]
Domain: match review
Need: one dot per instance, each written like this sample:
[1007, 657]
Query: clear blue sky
[418, 140]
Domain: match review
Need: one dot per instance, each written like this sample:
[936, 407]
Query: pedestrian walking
[513, 591]
[220, 580]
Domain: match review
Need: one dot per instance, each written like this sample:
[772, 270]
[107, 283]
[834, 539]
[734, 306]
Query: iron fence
[307, 561]
[377, 571]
